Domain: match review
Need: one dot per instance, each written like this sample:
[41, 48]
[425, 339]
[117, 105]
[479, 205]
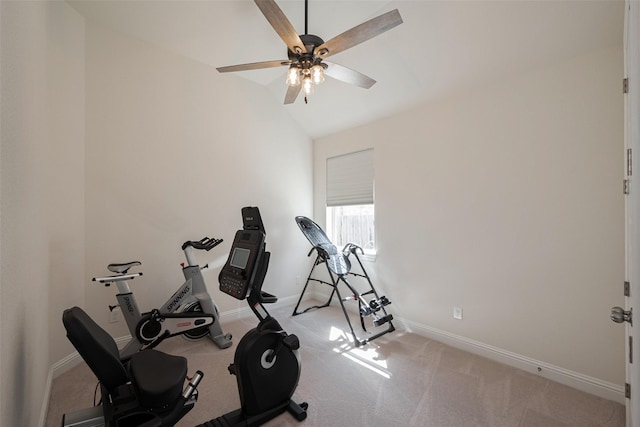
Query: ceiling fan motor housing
[311, 42]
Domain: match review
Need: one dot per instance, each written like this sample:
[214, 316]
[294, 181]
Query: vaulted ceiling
[442, 48]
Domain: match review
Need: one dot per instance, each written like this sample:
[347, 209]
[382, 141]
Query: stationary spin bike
[266, 362]
[189, 312]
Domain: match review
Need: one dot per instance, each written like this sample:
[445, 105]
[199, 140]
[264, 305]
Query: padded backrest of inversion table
[337, 262]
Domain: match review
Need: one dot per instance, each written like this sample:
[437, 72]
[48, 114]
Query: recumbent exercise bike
[132, 393]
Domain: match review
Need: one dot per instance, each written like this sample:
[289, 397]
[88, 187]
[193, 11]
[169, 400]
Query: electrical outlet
[457, 313]
[114, 315]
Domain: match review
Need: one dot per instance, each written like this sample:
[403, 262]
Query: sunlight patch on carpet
[366, 357]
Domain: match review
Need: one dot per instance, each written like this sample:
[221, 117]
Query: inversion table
[339, 267]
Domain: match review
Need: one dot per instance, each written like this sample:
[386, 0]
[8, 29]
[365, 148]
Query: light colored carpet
[400, 379]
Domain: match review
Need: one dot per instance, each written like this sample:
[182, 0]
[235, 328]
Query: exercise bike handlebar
[205, 243]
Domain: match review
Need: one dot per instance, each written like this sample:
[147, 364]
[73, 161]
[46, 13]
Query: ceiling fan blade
[359, 34]
[253, 66]
[292, 94]
[281, 24]
[348, 75]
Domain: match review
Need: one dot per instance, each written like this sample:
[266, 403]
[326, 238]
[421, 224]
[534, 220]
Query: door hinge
[625, 186]
[627, 289]
[630, 349]
[625, 85]
[627, 390]
[629, 162]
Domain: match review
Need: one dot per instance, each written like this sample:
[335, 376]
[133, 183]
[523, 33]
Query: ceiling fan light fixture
[307, 85]
[293, 76]
[317, 74]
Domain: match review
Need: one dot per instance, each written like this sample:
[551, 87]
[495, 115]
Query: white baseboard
[576, 380]
[585, 383]
[582, 382]
[44, 408]
[245, 311]
[60, 367]
[74, 359]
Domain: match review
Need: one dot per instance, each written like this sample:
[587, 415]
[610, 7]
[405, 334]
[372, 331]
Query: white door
[632, 202]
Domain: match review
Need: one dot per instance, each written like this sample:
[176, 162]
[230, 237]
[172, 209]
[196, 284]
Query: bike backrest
[96, 346]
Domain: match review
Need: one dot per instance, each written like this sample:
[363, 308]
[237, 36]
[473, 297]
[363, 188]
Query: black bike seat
[122, 268]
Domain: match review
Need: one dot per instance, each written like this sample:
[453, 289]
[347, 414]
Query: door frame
[632, 204]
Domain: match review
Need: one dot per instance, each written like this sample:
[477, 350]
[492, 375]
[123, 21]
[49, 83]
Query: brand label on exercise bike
[178, 297]
[128, 304]
[236, 277]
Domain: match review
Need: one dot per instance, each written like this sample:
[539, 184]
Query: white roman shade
[350, 179]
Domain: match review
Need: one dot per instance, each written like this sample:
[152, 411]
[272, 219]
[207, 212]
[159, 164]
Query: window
[352, 224]
[350, 207]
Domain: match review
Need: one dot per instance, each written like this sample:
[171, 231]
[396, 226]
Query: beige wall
[113, 150]
[506, 201]
[42, 205]
[174, 151]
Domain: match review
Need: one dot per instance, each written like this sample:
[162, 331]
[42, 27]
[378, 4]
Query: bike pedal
[291, 341]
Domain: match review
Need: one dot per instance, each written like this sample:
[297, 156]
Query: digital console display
[240, 257]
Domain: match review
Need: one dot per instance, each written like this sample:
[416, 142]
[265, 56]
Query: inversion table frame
[339, 267]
